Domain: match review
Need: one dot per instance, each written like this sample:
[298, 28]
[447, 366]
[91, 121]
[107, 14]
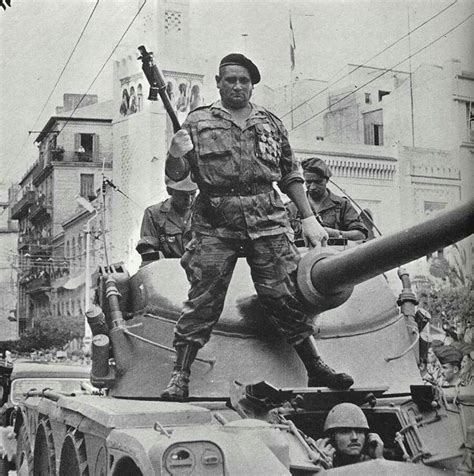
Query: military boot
[319, 373]
[177, 389]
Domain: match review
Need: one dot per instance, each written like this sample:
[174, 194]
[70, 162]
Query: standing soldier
[166, 225]
[335, 213]
[235, 150]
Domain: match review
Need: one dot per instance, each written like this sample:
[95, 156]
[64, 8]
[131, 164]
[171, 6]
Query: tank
[249, 410]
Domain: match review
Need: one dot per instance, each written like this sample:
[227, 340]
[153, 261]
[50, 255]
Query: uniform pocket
[215, 139]
[215, 151]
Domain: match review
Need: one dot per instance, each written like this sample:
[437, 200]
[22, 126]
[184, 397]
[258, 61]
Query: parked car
[25, 375]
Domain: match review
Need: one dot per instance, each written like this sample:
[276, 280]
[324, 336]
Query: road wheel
[24, 455]
[44, 457]
[73, 455]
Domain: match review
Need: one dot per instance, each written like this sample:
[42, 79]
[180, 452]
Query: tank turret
[352, 304]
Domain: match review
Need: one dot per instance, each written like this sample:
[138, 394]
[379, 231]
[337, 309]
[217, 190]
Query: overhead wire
[103, 66]
[367, 61]
[55, 85]
[385, 71]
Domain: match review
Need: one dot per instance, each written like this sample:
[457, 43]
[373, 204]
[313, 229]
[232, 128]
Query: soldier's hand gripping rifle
[157, 84]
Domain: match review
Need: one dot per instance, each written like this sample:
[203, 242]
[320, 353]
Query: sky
[38, 36]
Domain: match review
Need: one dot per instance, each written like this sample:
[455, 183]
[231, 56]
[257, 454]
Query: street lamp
[87, 205]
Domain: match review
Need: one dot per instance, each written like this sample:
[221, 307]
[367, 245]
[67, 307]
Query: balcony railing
[74, 156]
[40, 208]
[20, 208]
[40, 284]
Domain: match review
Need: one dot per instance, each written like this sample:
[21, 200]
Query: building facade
[73, 152]
[8, 267]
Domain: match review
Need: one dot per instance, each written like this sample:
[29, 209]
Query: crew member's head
[450, 359]
[316, 175]
[182, 193]
[235, 81]
[347, 427]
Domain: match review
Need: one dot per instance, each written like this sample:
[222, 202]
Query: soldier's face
[349, 441]
[316, 186]
[182, 201]
[235, 86]
[449, 372]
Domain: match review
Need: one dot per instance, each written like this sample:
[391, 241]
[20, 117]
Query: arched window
[140, 97]
[73, 255]
[79, 249]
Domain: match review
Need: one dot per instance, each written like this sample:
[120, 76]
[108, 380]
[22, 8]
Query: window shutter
[77, 141]
[95, 146]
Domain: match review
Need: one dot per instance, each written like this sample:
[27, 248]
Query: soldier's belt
[238, 190]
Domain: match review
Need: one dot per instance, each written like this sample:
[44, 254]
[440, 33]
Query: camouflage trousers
[209, 263]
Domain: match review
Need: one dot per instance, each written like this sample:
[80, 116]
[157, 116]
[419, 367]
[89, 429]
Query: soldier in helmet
[165, 226]
[348, 439]
[335, 213]
[235, 151]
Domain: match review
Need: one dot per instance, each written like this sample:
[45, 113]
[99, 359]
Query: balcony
[24, 241]
[20, 208]
[69, 156]
[40, 209]
[39, 284]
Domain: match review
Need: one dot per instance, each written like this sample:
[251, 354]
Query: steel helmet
[346, 415]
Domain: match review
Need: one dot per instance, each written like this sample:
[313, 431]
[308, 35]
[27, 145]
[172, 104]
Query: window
[73, 254]
[79, 249]
[378, 134]
[382, 94]
[86, 146]
[87, 186]
[140, 97]
[470, 121]
[373, 134]
[367, 98]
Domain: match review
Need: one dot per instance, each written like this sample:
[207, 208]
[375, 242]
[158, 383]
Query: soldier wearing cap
[450, 359]
[165, 226]
[235, 151]
[335, 213]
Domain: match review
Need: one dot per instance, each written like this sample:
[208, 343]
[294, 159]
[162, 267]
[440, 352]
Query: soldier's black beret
[241, 60]
[316, 165]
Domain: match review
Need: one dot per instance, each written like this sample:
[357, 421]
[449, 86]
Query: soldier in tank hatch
[235, 150]
[335, 213]
[166, 225]
[348, 438]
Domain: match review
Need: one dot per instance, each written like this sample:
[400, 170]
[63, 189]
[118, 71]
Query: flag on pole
[292, 45]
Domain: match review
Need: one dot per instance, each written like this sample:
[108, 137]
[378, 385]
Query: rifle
[157, 85]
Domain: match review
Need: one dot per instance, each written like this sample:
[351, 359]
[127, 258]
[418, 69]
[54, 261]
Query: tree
[449, 304]
[50, 332]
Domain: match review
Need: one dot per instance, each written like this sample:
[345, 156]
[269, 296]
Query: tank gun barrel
[336, 274]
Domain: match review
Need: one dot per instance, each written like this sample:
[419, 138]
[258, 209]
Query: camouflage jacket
[335, 212]
[226, 159]
[163, 230]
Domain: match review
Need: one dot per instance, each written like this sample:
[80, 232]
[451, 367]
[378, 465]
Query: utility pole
[411, 80]
[87, 281]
